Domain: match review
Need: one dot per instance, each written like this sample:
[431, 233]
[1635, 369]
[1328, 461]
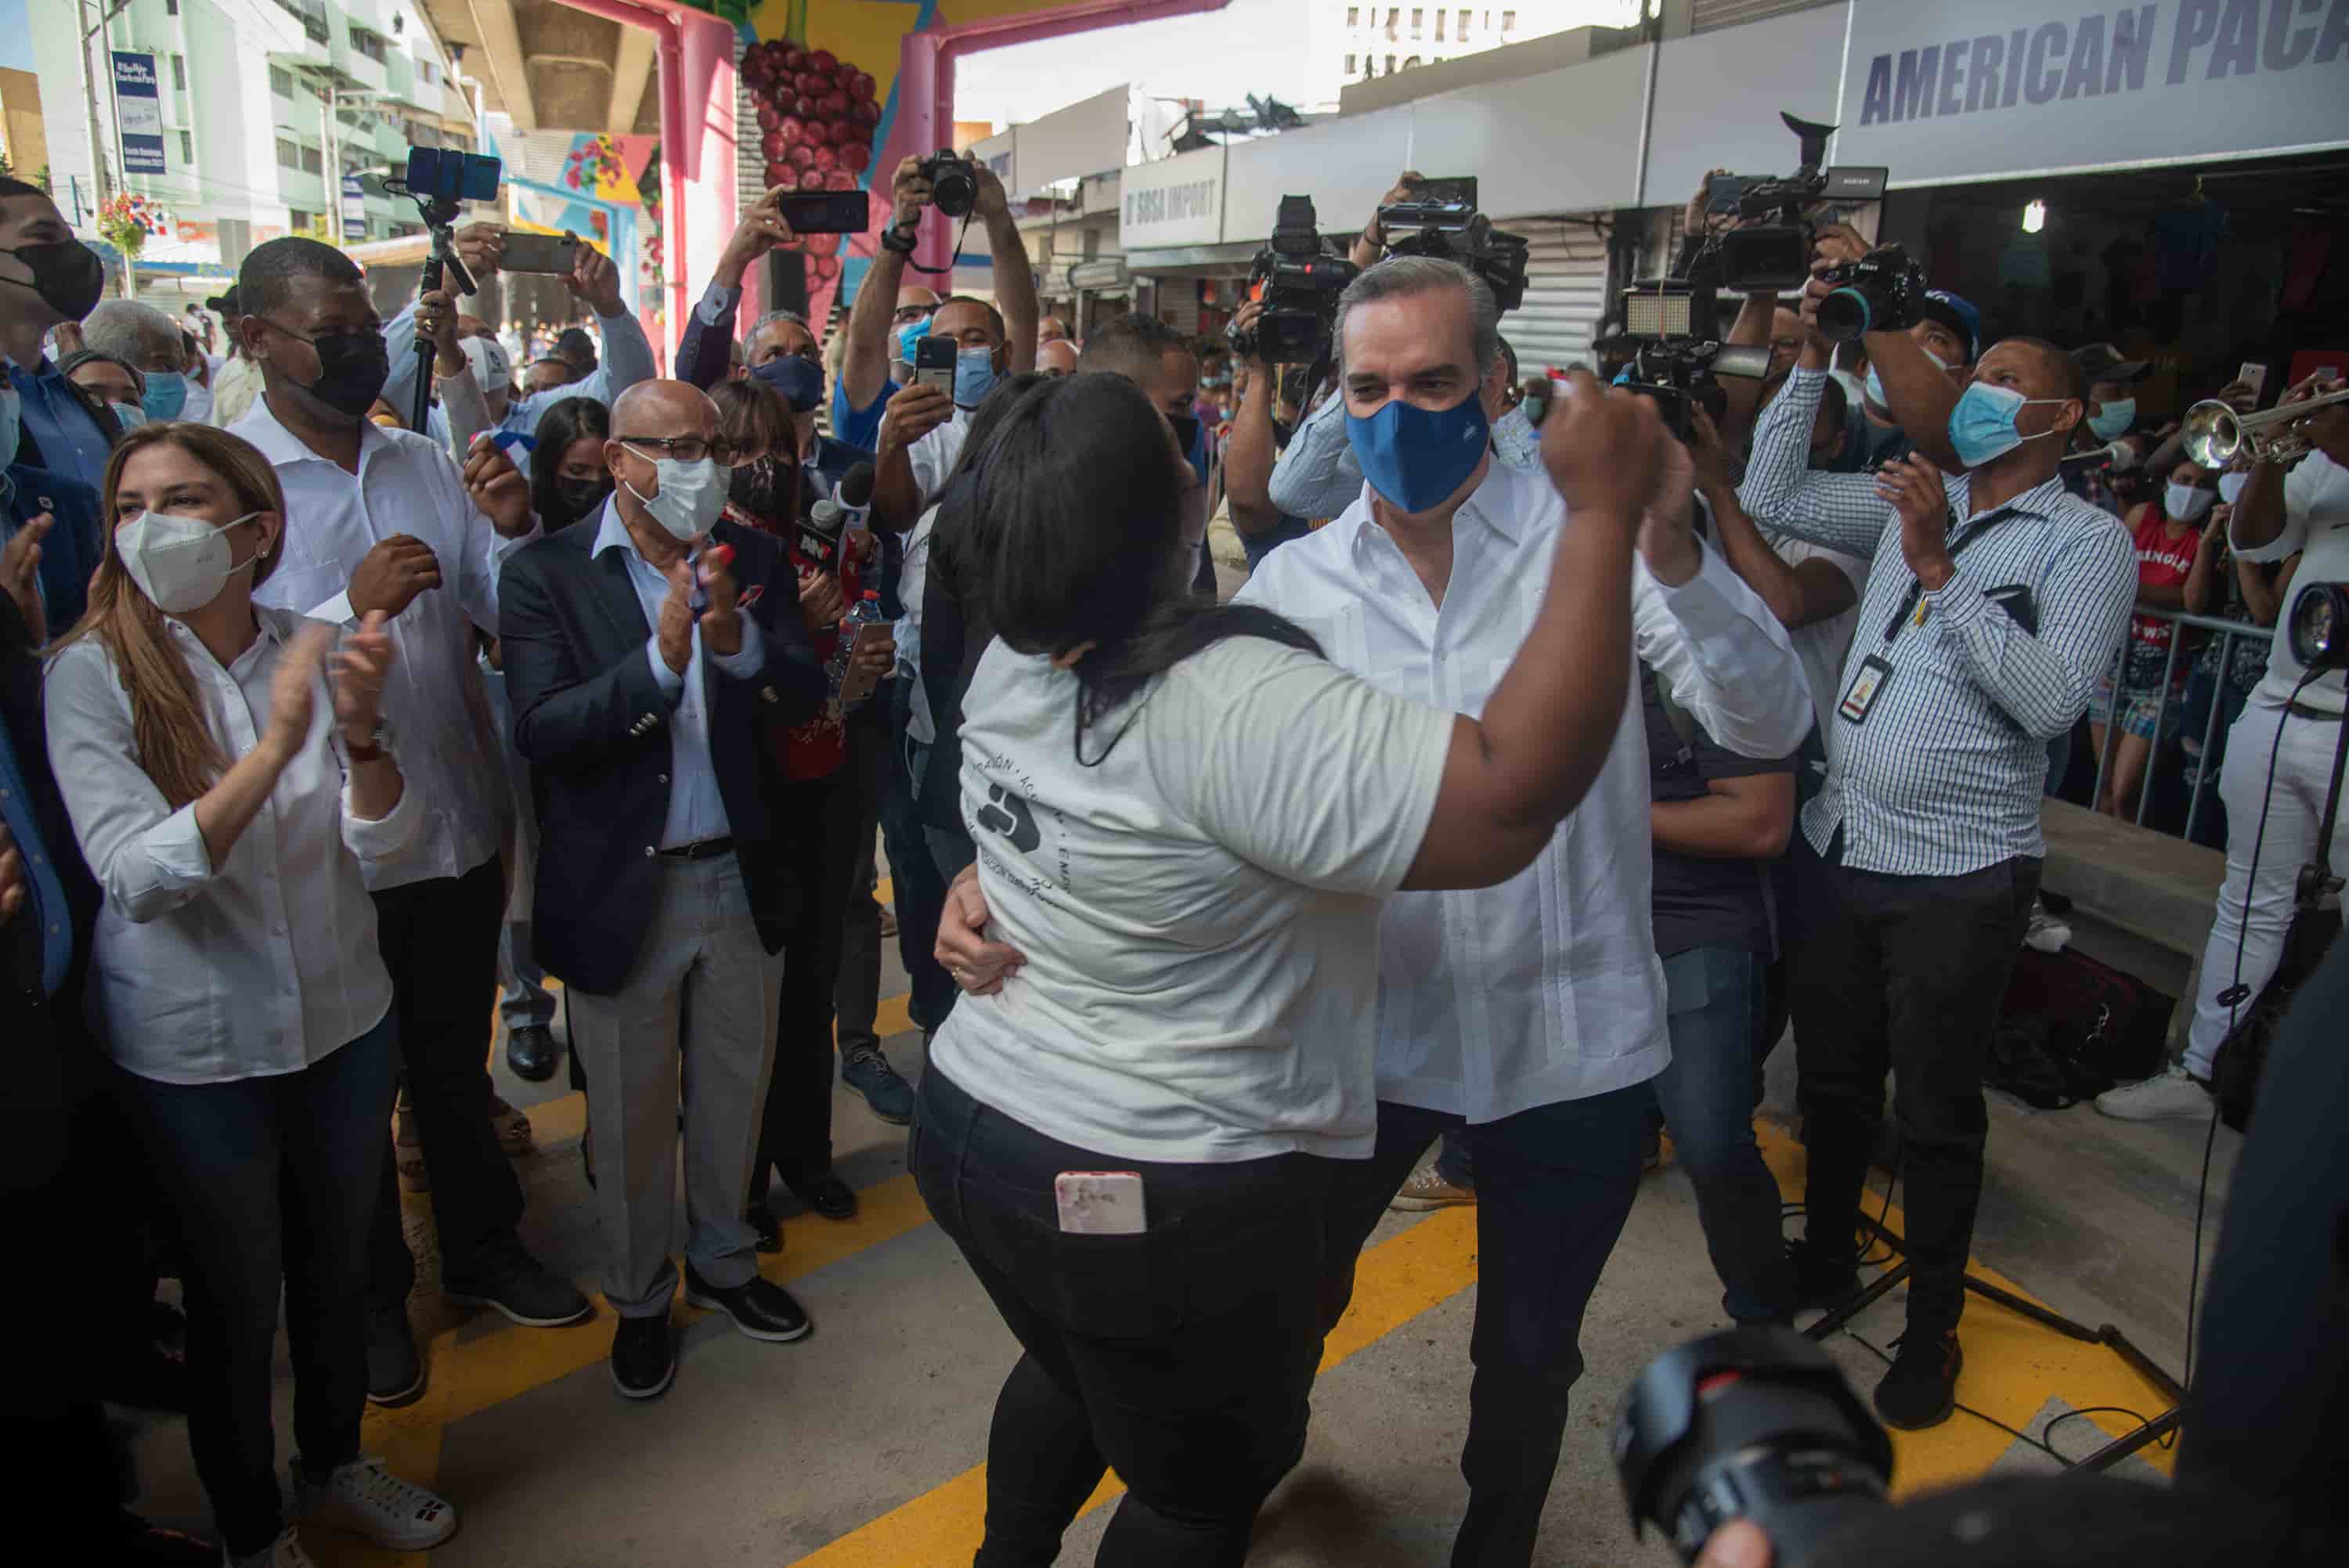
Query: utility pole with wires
[102, 178]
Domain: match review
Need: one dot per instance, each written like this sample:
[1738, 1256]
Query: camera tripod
[439, 215]
[2104, 1457]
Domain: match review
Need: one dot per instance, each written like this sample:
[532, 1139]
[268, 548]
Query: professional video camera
[1753, 1422]
[1441, 219]
[1300, 285]
[1753, 258]
[954, 182]
[1671, 339]
[1878, 292]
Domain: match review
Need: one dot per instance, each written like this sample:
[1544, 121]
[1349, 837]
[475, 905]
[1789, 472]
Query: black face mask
[66, 275]
[580, 497]
[352, 368]
[767, 489]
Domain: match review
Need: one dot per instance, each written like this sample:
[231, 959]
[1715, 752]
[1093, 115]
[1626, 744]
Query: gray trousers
[697, 1013]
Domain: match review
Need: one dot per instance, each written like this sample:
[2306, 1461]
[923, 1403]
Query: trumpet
[2216, 436]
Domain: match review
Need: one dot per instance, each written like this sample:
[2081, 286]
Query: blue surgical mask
[800, 381]
[1981, 427]
[129, 415]
[1416, 457]
[2116, 420]
[974, 377]
[166, 394]
[1875, 389]
[912, 332]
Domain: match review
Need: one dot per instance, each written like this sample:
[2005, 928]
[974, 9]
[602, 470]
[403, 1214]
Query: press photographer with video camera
[1994, 600]
[957, 188]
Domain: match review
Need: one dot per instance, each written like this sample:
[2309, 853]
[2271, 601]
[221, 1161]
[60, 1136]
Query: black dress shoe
[760, 1308]
[644, 1357]
[761, 1221]
[827, 1194]
[531, 1052]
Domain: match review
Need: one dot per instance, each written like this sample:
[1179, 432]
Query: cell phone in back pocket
[1100, 1202]
[933, 363]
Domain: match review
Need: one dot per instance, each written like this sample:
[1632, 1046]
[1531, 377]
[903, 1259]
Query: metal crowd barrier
[2203, 773]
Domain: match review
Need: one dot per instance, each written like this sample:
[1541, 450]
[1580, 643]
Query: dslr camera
[954, 182]
[1441, 219]
[1300, 285]
[1759, 257]
[1878, 292]
[1672, 351]
[1755, 1423]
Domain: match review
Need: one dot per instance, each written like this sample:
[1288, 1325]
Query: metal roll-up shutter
[1706, 15]
[1566, 293]
[1179, 302]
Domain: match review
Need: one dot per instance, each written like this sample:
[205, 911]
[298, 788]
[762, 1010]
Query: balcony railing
[312, 15]
[2171, 689]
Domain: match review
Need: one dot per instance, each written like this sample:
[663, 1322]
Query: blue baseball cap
[1955, 314]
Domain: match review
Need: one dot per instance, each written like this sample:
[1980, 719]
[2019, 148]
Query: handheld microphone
[2117, 455]
[820, 535]
[855, 493]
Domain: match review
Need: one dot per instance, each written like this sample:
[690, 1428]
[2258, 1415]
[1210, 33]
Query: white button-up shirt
[696, 807]
[259, 965]
[1548, 987]
[433, 698]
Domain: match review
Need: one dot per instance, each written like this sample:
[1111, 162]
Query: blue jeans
[1716, 1002]
[273, 1181]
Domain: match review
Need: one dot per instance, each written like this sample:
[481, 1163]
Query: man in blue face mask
[1419, 586]
[2111, 419]
[924, 428]
[1994, 599]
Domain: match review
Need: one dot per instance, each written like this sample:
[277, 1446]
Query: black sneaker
[505, 1276]
[827, 1194]
[395, 1372]
[1921, 1388]
[1821, 1279]
[531, 1052]
[868, 1072]
[760, 1308]
[644, 1357]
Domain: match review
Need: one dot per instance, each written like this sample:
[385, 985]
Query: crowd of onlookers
[325, 723]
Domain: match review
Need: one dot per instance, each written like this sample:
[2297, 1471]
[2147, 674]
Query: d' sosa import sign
[1991, 87]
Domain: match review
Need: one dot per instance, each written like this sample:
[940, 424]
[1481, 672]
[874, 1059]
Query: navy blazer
[593, 723]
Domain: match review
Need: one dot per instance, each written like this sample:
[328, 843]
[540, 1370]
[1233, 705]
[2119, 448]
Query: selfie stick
[439, 215]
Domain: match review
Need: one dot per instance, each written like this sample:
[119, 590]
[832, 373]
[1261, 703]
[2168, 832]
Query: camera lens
[1753, 1423]
[1854, 308]
[954, 189]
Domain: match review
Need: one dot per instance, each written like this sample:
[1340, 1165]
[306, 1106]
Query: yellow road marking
[1397, 1280]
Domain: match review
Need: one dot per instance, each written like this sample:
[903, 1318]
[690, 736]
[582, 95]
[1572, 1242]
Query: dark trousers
[1183, 1356]
[440, 940]
[921, 891]
[818, 857]
[858, 990]
[1905, 973]
[272, 1180]
[1716, 1005]
[1554, 1185]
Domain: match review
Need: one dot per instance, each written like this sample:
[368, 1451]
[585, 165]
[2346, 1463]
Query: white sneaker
[2045, 933]
[285, 1552]
[367, 1500]
[2172, 1093]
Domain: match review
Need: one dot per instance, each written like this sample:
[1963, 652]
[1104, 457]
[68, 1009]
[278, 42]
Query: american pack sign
[1969, 89]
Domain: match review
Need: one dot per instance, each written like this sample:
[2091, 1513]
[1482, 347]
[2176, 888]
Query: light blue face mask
[166, 395]
[129, 415]
[1981, 427]
[974, 377]
[912, 332]
[2115, 421]
[1875, 389]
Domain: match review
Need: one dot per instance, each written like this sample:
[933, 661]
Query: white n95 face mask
[180, 563]
[690, 497]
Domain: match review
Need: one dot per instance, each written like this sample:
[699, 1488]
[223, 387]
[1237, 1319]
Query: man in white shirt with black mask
[1534, 1011]
[382, 519]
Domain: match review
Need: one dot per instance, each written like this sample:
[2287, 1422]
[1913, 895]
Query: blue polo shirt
[59, 431]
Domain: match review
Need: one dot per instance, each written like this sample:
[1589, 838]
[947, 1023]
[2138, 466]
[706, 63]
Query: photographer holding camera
[886, 314]
[1916, 366]
[1993, 599]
